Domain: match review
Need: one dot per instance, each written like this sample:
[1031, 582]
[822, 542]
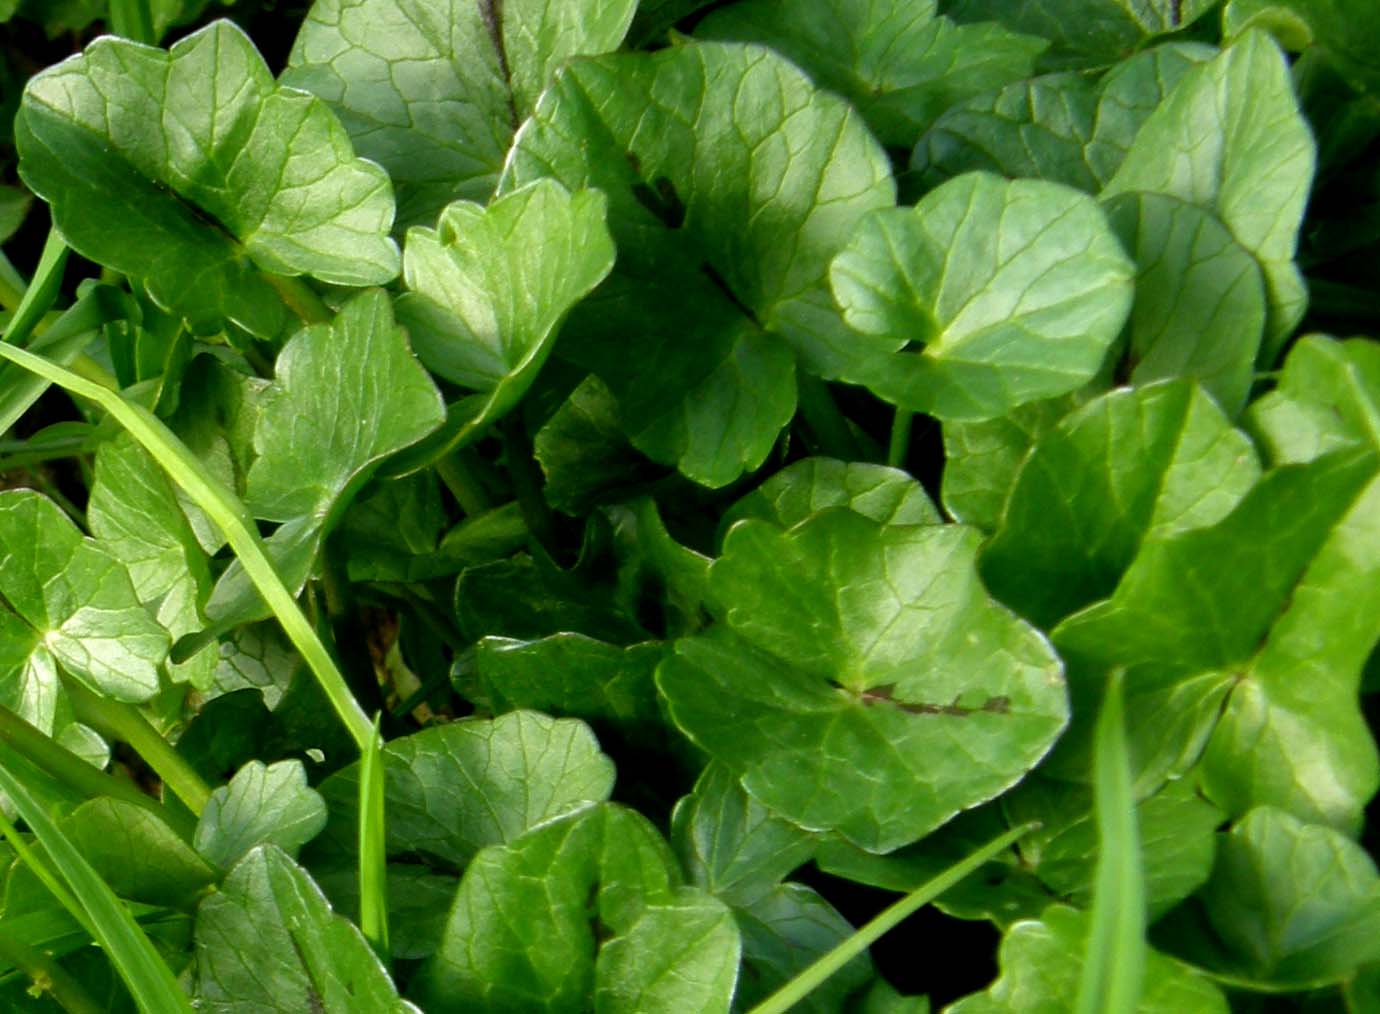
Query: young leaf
[1130, 465]
[731, 182]
[239, 177]
[522, 929]
[900, 63]
[1328, 398]
[345, 397]
[261, 804]
[1296, 904]
[489, 288]
[1041, 962]
[268, 941]
[454, 789]
[78, 608]
[1230, 138]
[433, 91]
[803, 489]
[843, 683]
[1007, 291]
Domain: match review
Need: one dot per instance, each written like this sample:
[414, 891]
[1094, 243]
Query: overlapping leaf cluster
[567, 358]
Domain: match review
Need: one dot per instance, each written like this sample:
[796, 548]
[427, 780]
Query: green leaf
[490, 287]
[1177, 839]
[268, 941]
[454, 789]
[1130, 465]
[345, 397]
[1230, 138]
[899, 63]
[433, 91]
[1328, 398]
[1341, 30]
[78, 607]
[843, 683]
[238, 177]
[1200, 298]
[1041, 962]
[983, 458]
[1287, 632]
[1087, 32]
[418, 902]
[263, 803]
[1295, 904]
[572, 675]
[138, 855]
[135, 515]
[785, 931]
[731, 181]
[730, 844]
[588, 903]
[14, 207]
[804, 488]
[1056, 127]
[1008, 291]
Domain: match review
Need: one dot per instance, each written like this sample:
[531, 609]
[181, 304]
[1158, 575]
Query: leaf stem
[822, 415]
[522, 467]
[77, 774]
[373, 858]
[803, 984]
[301, 299]
[469, 493]
[229, 515]
[47, 976]
[121, 721]
[899, 446]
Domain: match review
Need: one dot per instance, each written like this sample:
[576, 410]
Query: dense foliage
[575, 505]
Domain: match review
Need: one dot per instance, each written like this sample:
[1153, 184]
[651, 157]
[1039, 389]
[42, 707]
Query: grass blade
[801, 986]
[228, 514]
[39, 296]
[1114, 963]
[92, 903]
[373, 857]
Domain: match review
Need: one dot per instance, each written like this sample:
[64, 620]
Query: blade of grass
[149, 979]
[39, 296]
[803, 984]
[228, 514]
[1114, 963]
[77, 774]
[373, 857]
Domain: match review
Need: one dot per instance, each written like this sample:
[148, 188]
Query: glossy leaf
[1007, 291]
[1130, 465]
[1230, 138]
[263, 803]
[454, 789]
[244, 177]
[840, 672]
[78, 607]
[1294, 903]
[138, 855]
[135, 515]
[490, 286]
[268, 941]
[522, 930]
[434, 91]
[899, 63]
[805, 488]
[1040, 964]
[731, 182]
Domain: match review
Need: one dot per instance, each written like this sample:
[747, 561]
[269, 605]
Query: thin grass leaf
[807, 981]
[1114, 964]
[149, 979]
[39, 296]
[373, 858]
[229, 515]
